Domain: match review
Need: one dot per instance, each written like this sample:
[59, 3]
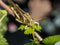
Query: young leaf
[29, 30]
[22, 27]
[51, 40]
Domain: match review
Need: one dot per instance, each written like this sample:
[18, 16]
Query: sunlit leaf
[51, 40]
[3, 21]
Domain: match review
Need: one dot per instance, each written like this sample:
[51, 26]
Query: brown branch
[5, 7]
[38, 36]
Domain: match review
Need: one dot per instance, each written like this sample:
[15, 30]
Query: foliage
[3, 28]
[3, 40]
[34, 42]
[30, 29]
[51, 40]
[3, 20]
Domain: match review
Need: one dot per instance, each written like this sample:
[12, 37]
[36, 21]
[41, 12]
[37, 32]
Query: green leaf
[34, 26]
[30, 43]
[38, 28]
[3, 20]
[22, 27]
[3, 41]
[36, 41]
[29, 30]
[51, 40]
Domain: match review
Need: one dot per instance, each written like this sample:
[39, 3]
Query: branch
[5, 7]
[38, 36]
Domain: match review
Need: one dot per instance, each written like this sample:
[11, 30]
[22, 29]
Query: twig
[5, 7]
[38, 36]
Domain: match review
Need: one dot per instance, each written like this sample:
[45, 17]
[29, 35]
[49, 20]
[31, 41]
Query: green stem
[33, 35]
